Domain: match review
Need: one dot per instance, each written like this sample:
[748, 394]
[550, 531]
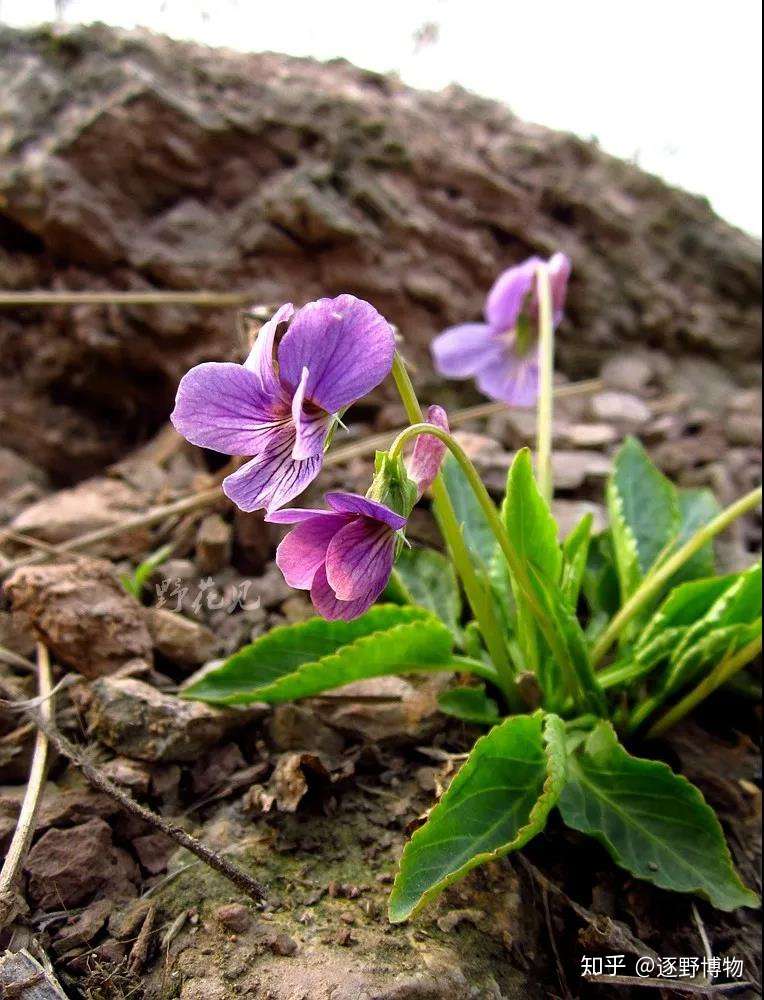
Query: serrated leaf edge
[698, 795]
[550, 792]
[417, 614]
[263, 693]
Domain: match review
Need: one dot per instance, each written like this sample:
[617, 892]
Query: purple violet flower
[334, 352]
[502, 353]
[424, 464]
[343, 556]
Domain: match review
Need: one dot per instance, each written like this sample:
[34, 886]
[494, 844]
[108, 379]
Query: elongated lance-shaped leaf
[500, 798]
[427, 579]
[697, 508]
[642, 660]
[288, 647]
[479, 539]
[653, 822]
[709, 650]
[685, 605]
[420, 646]
[738, 604]
[644, 514]
[575, 552]
[529, 522]
[532, 532]
[477, 531]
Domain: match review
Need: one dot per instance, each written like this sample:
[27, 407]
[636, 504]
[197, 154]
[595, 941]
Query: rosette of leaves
[567, 751]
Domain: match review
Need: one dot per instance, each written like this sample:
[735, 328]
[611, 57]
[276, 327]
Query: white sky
[672, 84]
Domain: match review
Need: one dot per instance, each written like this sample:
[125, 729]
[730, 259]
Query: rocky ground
[316, 799]
[132, 162]
[129, 161]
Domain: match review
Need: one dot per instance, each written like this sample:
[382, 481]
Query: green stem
[469, 665]
[644, 710]
[545, 414]
[659, 577]
[517, 567]
[623, 673]
[477, 594]
[718, 676]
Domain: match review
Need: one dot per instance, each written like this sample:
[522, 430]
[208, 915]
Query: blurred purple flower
[333, 353]
[502, 353]
[424, 464]
[343, 556]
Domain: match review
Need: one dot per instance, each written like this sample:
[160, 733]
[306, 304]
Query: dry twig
[241, 879]
[25, 825]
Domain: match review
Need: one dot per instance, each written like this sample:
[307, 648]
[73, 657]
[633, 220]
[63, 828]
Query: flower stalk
[515, 564]
[545, 414]
[450, 528]
[659, 577]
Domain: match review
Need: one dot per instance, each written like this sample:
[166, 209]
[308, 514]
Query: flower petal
[221, 405]
[303, 550]
[515, 381]
[294, 515]
[559, 272]
[345, 343]
[507, 297]
[428, 453]
[359, 560]
[273, 477]
[260, 360]
[311, 423]
[462, 350]
[353, 503]
[329, 607]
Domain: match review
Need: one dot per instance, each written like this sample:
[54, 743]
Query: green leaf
[653, 822]
[135, 582]
[500, 798]
[529, 522]
[572, 652]
[685, 605]
[284, 651]
[640, 661]
[490, 565]
[422, 644]
[697, 508]
[533, 533]
[644, 514]
[737, 604]
[429, 581]
[575, 552]
[709, 650]
[477, 532]
[470, 704]
[600, 585]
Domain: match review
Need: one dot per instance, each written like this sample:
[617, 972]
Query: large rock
[67, 867]
[136, 720]
[130, 161]
[82, 612]
[96, 503]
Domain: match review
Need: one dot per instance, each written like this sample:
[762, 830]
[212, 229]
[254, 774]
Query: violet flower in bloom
[343, 556]
[502, 353]
[334, 352]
